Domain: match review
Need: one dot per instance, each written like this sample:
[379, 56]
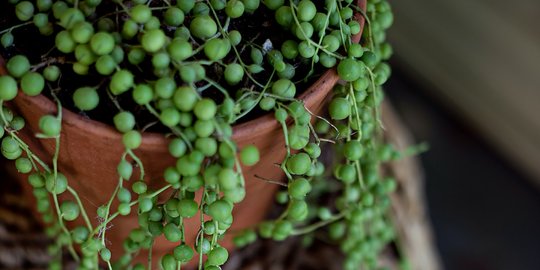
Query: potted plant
[169, 125]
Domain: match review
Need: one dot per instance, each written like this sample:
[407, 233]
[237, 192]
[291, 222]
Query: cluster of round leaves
[365, 230]
[358, 220]
[179, 46]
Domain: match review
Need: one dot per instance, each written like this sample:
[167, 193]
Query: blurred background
[467, 81]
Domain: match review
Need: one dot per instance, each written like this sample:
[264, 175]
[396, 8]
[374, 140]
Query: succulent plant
[192, 69]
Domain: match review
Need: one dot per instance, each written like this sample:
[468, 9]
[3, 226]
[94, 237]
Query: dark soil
[255, 28]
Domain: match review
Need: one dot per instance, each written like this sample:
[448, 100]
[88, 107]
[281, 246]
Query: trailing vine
[191, 67]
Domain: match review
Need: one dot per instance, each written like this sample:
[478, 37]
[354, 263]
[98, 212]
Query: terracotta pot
[90, 151]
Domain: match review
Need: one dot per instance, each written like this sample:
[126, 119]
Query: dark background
[485, 213]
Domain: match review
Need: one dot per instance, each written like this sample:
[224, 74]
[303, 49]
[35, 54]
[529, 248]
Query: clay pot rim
[262, 124]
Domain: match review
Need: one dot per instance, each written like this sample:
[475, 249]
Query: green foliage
[197, 72]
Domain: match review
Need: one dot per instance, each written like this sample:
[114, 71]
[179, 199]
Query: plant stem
[319, 224]
[359, 137]
[150, 255]
[83, 212]
[55, 173]
[15, 27]
[133, 203]
[258, 98]
[375, 98]
[138, 161]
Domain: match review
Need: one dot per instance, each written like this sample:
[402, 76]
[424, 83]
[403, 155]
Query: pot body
[90, 152]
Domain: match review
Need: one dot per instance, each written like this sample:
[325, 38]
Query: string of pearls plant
[186, 64]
